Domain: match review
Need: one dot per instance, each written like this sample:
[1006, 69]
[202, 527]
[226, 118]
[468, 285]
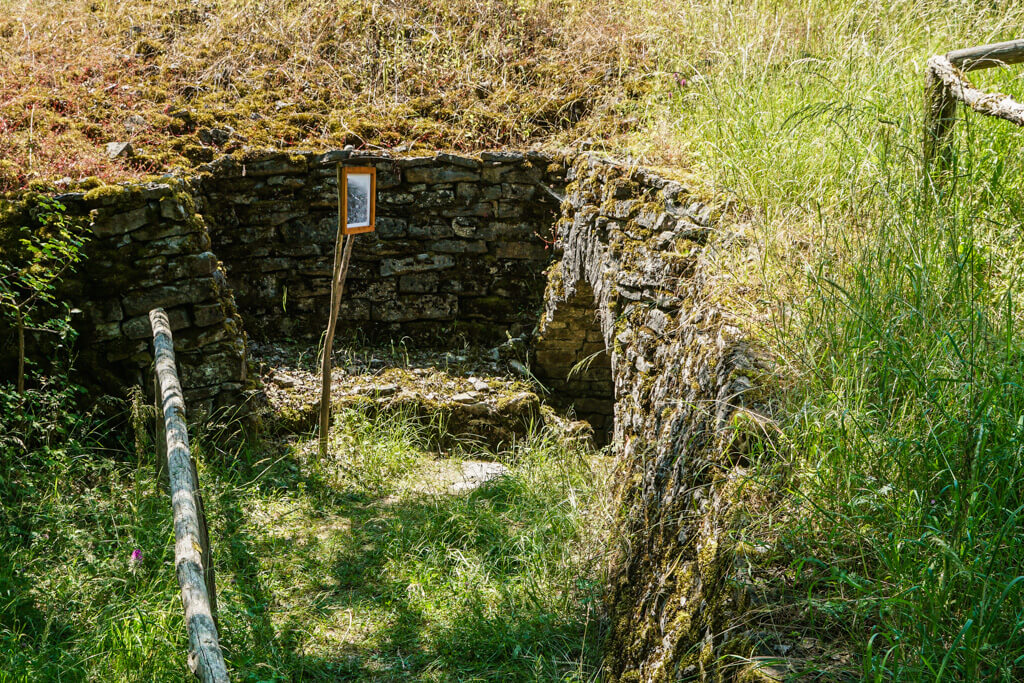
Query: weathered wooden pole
[945, 85]
[987, 56]
[191, 541]
[338, 276]
[939, 117]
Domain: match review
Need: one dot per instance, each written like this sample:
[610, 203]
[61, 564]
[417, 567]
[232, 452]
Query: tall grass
[892, 306]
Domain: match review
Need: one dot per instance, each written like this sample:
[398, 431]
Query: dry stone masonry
[458, 253]
[686, 413]
[150, 248]
[610, 260]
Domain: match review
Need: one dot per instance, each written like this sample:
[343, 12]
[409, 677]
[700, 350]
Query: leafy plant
[28, 284]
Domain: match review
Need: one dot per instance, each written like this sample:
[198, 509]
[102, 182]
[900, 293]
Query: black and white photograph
[358, 188]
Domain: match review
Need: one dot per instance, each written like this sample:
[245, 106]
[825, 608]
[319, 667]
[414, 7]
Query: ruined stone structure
[627, 336]
[686, 412]
[148, 247]
[458, 254]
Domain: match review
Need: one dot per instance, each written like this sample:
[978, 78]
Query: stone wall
[571, 359]
[459, 252]
[459, 255]
[687, 411]
[148, 247]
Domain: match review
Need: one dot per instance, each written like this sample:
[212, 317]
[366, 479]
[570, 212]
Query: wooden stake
[341, 260]
[939, 117]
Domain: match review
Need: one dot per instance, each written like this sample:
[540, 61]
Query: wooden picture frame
[358, 187]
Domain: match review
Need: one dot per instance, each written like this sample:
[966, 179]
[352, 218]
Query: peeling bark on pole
[338, 276]
[946, 85]
[939, 116]
[191, 542]
[991, 104]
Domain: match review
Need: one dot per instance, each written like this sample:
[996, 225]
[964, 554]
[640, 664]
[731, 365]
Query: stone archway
[572, 359]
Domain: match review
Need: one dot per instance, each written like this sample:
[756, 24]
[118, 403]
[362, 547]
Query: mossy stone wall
[148, 247]
[684, 376]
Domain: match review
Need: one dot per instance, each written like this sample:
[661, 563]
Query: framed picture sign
[359, 203]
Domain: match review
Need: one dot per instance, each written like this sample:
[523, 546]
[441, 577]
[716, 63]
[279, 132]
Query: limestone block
[415, 264]
[521, 250]
[351, 309]
[204, 315]
[432, 175]
[170, 246]
[374, 290]
[139, 327]
[502, 157]
[512, 174]
[458, 246]
[422, 307]
[439, 196]
[212, 369]
[276, 165]
[454, 159]
[468, 192]
[172, 210]
[484, 209]
[121, 223]
[161, 229]
[390, 228]
[107, 331]
[429, 229]
[168, 296]
[103, 310]
[418, 283]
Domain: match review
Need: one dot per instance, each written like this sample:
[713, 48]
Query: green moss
[110, 195]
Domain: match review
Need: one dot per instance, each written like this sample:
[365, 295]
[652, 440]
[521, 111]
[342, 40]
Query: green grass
[892, 307]
[361, 568]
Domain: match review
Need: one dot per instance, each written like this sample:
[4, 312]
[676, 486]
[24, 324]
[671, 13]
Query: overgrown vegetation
[363, 567]
[30, 272]
[185, 80]
[894, 308]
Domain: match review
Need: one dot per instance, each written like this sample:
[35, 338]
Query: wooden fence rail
[946, 84]
[193, 561]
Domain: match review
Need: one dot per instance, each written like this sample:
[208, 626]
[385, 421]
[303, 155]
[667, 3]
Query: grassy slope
[321, 576]
[893, 307]
[456, 74]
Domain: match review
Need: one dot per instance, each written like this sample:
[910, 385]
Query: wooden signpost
[357, 213]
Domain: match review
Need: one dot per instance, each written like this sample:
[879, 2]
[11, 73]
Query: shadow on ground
[324, 583]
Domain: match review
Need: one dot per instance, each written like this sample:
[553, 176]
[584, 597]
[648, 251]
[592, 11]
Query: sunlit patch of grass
[399, 580]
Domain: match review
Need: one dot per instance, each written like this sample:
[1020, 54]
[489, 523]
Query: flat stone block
[415, 264]
[521, 250]
[418, 283]
[119, 224]
[432, 175]
[423, 307]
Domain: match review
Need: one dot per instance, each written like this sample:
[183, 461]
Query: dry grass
[184, 81]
